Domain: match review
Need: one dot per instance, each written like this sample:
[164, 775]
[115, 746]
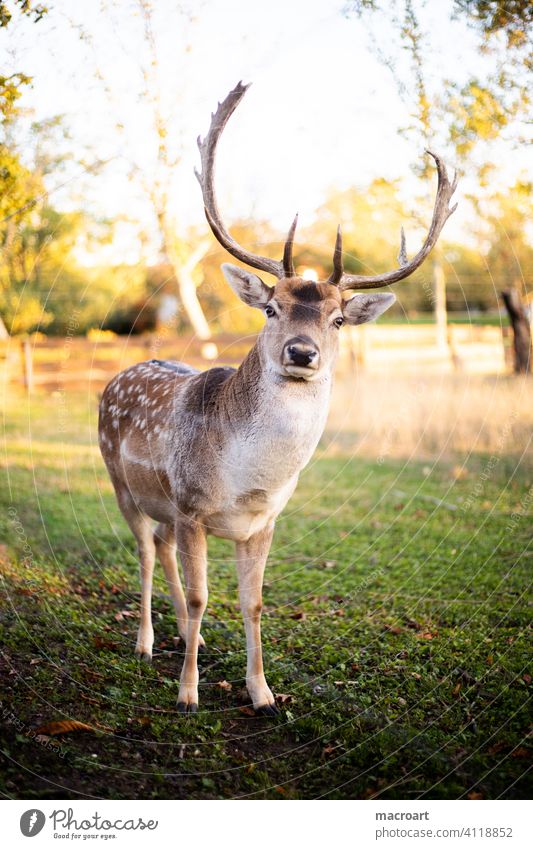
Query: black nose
[301, 353]
[301, 356]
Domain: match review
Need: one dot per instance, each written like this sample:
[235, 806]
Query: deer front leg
[192, 547]
[251, 560]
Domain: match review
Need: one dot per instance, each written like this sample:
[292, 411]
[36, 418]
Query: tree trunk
[191, 304]
[521, 331]
[183, 271]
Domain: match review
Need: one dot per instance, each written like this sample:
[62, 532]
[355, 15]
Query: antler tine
[207, 149]
[441, 213]
[288, 265]
[402, 255]
[338, 266]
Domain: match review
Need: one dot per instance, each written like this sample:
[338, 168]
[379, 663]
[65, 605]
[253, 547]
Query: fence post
[27, 365]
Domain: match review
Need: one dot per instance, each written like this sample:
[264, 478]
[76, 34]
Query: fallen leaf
[283, 698]
[35, 660]
[457, 689]
[526, 678]
[224, 685]
[393, 629]
[247, 710]
[102, 643]
[64, 726]
[496, 748]
[475, 795]
[298, 615]
[521, 752]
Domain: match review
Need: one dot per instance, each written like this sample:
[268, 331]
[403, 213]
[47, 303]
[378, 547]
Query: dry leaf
[457, 689]
[526, 678]
[247, 710]
[298, 615]
[64, 726]
[283, 698]
[475, 795]
[393, 629]
[224, 685]
[521, 752]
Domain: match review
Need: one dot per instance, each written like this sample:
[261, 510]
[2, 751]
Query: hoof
[143, 656]
[267, 710]
[184, 707]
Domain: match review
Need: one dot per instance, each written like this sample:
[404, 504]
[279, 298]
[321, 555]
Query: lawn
[395, 633]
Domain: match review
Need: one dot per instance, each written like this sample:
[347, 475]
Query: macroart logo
[31, 822]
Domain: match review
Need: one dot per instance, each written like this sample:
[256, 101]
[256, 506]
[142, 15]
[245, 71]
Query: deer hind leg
[192, 547]
[251, 559]
[165, 543]
[141, 528]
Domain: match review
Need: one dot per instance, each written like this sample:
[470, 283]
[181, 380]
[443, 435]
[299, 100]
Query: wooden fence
[54, 362]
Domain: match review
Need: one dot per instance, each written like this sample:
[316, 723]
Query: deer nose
[300, 352]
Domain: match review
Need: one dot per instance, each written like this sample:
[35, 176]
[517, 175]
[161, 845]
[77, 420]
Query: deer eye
[339, 321]
[270, 312]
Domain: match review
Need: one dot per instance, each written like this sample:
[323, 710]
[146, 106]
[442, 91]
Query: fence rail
[53, 362]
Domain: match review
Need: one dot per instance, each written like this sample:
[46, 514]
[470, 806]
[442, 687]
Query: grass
[396, 630]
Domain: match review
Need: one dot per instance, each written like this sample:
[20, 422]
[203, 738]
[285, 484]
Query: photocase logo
[32, 822]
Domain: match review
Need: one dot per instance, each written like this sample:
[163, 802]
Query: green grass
[396, 623]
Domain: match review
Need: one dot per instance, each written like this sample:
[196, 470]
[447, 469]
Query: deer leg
[142, 530]
[192, 547]
[165, 543]
[251, 559]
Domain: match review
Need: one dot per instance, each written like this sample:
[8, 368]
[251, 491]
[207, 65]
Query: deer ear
[249, 287]
[363, 307]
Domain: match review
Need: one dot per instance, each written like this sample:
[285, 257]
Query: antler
[207, 148]
[441, 213]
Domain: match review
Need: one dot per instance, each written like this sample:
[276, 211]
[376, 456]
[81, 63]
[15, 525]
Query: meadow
[396, 622]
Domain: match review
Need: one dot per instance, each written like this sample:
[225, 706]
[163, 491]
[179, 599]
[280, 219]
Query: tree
[11, 86]
[154, 170]
[464, 116]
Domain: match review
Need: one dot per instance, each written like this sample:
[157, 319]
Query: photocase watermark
[72, 328]
[491, 464]
[517, 515]
[404, 413]
[28, 558]
[22, 727]
[65, 824]
[32, 822]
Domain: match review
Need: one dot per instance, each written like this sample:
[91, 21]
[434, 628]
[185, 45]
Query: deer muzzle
[300, 356]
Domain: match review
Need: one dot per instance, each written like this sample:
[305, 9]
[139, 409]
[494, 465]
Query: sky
[322, 112]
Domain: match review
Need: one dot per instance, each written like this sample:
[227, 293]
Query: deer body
[219, 452]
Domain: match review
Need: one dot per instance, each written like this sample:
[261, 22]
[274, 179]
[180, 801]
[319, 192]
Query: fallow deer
[220, 451]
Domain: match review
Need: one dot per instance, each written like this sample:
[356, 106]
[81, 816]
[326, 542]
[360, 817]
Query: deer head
[300, 337]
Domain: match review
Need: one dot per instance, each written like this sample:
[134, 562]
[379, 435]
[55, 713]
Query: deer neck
[275, 422]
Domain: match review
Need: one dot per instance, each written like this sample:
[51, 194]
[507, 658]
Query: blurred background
[106, 257]
[397, 600]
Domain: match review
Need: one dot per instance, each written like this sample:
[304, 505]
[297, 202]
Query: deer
[219, 452]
